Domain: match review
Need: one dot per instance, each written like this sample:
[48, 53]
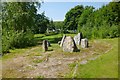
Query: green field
[105, 66]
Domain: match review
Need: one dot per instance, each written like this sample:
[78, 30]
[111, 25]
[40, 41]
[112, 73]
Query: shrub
[87, 32]
[7, 39]
[12, 39]
[113, 31]
[23, 39]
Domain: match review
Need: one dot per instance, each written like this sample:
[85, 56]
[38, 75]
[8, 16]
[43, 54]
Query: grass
[106, 66]
[14, 53]
[40, 77]
[38, 61]
[52, 38]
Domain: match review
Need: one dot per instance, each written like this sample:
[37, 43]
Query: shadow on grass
[78, 50]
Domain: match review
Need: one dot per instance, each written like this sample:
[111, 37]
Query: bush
[104, 32]
[24, 39]
[113, 31]
[87, 32]
[95, 33]
[12, 39]
[7, 39]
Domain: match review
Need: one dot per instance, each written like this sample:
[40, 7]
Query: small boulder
[84, 43]
[69, 45]
[44, 45]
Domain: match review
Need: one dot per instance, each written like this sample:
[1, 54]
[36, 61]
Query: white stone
[84, 43]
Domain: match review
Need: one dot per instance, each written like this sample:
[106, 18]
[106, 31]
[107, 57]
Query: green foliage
[71, 17]
[7, 38]
[113, 31]
[85, 15]
[17, 24]
[100, 23]
[86, 31]
[59, 26]
[23, 40]
[13, 39]
[42, 23]
[20, 17]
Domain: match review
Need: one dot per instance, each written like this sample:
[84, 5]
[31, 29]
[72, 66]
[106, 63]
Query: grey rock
[78, 38]
[84, 43]
[44, 45]
[48, 44]
[63, 38]
[69, 45]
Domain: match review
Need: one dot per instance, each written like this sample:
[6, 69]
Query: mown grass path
[32, 62]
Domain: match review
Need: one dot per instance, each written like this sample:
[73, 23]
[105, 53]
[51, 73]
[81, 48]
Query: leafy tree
[86, 14]
[72, 16]
[59, 25]
[19, 16]
[18, 19]
[41, 22]
[100, 23]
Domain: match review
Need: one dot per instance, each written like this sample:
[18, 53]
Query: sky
[57, 10]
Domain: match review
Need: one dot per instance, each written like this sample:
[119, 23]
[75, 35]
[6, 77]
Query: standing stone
[44, 45]
[61, 44]
[84, 43]
[78, 38]
[69, 45]
[48, 44]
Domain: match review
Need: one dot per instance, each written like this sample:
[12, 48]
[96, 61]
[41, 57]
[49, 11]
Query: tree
[86, 14]
[51, 25]
[41, 22]
[72, 16]
[18, 19]
[19, 16]
[99, 23]
[59, 25]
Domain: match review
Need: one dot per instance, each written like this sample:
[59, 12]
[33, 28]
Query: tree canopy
[102, 22]
[71, 17]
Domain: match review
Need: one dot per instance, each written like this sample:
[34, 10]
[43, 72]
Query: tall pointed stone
[63, 38]
[44, 45]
